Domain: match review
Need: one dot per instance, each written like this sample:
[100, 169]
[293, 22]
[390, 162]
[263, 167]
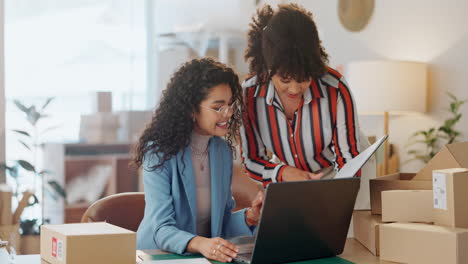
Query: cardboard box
[366, 230]
[6, 215]
[87, 243]
[451, 156]
[407, 206]
[422, 243]
[99, 128]
[101, 102]
[132, 124]
[397, 181]
[451, 197]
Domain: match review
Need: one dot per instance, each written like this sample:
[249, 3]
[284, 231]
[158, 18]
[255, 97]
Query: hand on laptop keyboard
[213, 248]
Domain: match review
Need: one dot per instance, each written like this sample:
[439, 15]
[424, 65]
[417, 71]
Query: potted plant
[434, 138]
[31, 139]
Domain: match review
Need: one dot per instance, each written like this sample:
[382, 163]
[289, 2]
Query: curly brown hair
[171, 126]
[285, 42]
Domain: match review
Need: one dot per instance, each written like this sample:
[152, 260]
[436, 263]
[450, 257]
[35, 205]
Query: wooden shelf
[69, 161]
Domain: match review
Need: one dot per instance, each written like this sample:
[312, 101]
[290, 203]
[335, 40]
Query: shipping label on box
[439, 186]
[450, 197]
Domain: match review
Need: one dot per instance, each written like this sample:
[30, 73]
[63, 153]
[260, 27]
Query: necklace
[200, 155]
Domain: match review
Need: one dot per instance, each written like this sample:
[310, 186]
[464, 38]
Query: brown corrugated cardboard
[451, 156]
[397, 181]
[422, 243]
[366, 230]
[451, 197]
[407, 206]
[6, 216]
[87, 243]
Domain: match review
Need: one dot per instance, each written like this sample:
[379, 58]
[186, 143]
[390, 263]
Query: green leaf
[451, 95]
[47, 103]
[26, 165]
[21, 106]
[50, 193]
[49, 129]
[57, 188]
[14, 172]
[21, 132]
[33, 116]
[10, 170]
[43, 172]
[25, 145]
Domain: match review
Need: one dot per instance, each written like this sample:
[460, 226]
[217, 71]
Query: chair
[123, 209]
[127, 209]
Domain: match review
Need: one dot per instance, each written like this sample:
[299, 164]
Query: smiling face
[208, 121]
[289, 89]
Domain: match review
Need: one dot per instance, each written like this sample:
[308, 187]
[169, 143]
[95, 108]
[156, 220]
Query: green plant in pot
[30, 138]
[434, 138]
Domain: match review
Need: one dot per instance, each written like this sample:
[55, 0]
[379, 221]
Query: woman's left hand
[252, 214]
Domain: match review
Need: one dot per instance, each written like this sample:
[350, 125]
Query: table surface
[353, 252]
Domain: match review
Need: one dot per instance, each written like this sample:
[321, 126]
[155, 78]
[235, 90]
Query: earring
[194, 120]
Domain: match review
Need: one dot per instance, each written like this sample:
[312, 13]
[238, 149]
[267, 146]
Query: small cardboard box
[397, 181]
[451, 156]
[87, 243]
[366, 230]
[99, 128]
[407, 206]
[101, 102]
[132, 124]
[422, 243]
[451, 197]
[6, 215]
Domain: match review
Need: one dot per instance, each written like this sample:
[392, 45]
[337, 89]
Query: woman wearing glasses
[297, 108]
[187, 166]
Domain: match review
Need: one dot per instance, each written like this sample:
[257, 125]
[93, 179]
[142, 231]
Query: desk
[353, 252]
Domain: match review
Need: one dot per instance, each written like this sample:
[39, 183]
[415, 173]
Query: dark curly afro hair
[171, 126]
[285, 42]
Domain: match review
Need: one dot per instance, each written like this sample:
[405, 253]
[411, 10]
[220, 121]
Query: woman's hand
[252, 215]
[213, 248]
[295, 174]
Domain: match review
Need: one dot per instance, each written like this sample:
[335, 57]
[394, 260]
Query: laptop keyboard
[243, 258]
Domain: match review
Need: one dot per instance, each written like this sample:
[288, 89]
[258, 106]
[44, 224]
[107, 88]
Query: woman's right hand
[295, 174]
[213, 248]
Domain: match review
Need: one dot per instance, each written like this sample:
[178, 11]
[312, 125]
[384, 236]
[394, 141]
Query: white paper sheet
[352, 166]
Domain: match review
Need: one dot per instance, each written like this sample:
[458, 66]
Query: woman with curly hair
[296, 107]
[187, 166]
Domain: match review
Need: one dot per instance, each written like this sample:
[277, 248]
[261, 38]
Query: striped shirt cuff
[279, 173]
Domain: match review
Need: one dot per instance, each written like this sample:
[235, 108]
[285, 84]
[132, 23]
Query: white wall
[430, 31]
[2, 95]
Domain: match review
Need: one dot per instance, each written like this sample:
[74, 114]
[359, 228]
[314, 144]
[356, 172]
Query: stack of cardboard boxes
[420, 217]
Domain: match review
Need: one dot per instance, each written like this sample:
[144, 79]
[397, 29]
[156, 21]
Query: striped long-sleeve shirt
[324, 132]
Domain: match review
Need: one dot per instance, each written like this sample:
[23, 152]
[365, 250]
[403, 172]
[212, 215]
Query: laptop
[304, 220]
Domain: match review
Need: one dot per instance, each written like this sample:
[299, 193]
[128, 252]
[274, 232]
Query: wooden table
[353, 252]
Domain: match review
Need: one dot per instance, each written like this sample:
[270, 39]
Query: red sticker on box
[54, 247]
